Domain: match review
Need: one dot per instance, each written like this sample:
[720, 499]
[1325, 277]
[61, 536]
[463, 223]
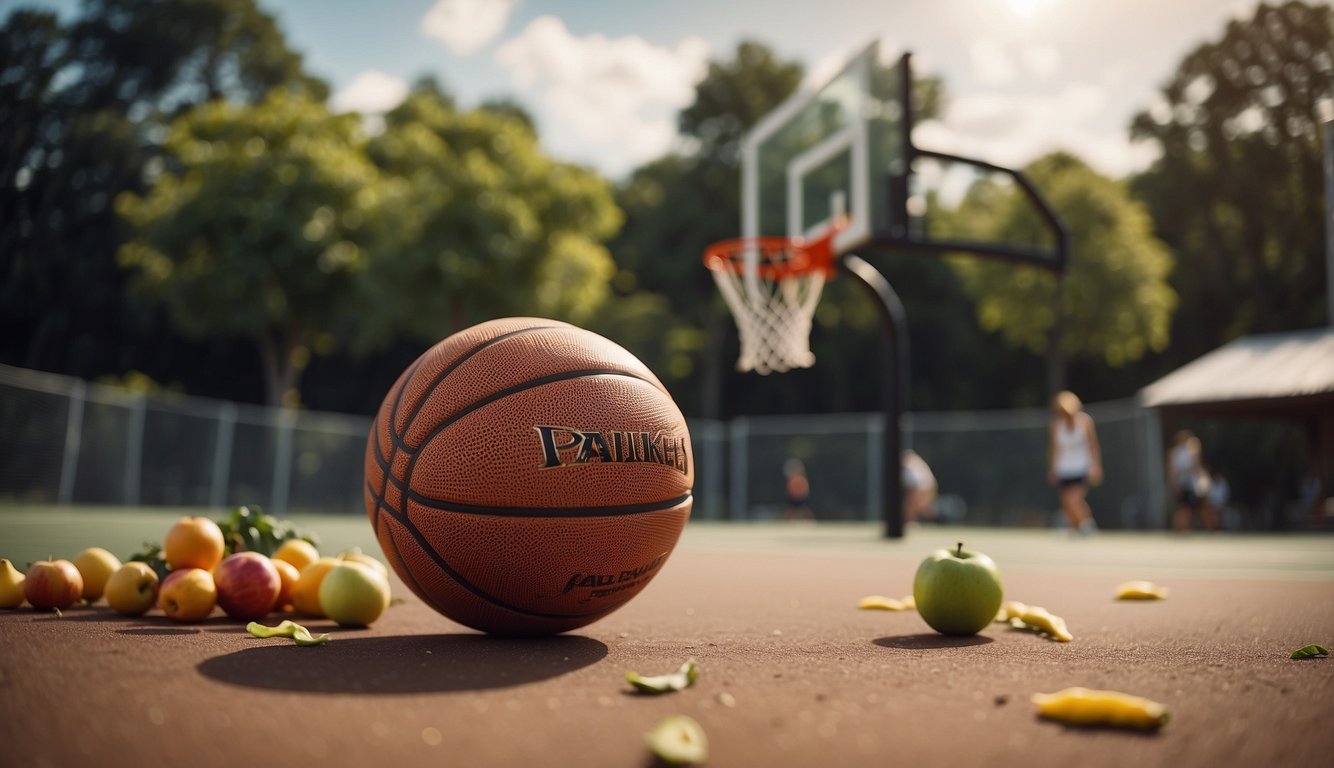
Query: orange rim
[780, 258]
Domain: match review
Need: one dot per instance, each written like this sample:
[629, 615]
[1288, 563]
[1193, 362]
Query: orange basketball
[527, 477]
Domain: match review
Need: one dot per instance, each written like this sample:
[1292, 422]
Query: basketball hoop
[772, 285]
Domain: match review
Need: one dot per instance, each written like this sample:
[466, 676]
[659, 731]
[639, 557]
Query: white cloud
[613, 99]
[991, 63]
[1043, 61]
[466, 25]
[1013, 129]
[370, 92]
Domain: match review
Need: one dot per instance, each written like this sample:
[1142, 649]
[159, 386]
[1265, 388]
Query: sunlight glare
[1028, 8]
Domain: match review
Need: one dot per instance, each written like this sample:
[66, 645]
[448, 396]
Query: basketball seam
[618, 510]
[458, 577]
[401, 440]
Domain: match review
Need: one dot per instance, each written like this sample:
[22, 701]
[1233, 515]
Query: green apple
[958, 592]
[353, 594]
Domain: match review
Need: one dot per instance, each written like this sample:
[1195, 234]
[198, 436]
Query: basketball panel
[559, 567]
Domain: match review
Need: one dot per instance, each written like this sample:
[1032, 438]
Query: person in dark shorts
[1074, 459]
[1190, 483]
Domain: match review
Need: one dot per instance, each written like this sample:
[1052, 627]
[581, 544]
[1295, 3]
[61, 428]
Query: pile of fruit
[257, 566]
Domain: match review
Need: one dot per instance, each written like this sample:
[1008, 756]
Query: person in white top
[1190, 483]
[1074, 459]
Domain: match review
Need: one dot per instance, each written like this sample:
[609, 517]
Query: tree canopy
[1237, 191]
[1115, 303]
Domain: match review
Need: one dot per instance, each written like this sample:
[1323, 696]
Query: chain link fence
[72, 442]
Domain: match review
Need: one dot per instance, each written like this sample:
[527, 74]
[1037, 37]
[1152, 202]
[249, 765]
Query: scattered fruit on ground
[1012, 609]
[11, 585]
[679, 680]
[248, 585]
[289, 575]
[1140, 590]
[882, 603]
[288, 628]
[52, 584]
[678, 740]
[1082, 706]
[306, 594]
[132, 589]
[193, 542]
[353, 594]
[188, 594]
[299, 552]
[95, 566]
[1034, 617]
[356, 555]
[957, 592]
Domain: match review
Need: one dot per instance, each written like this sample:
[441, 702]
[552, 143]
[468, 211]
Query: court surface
[769, 613]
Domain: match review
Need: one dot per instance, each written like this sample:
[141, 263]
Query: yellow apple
[353, 594]
[132, 589]
[95, 566]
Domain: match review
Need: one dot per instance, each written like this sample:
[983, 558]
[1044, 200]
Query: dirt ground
[769, 613]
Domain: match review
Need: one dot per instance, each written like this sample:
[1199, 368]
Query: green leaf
[1310, 652]
[676, 681]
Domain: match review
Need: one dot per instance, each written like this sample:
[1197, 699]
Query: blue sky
[605, 80]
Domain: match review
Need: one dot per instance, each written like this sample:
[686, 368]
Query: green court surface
[791, 672]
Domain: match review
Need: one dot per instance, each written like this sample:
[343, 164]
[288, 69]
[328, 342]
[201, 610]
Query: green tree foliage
[1237, 190]
[259, 230]
[1116, 303]
[485, 223]
[83, 109]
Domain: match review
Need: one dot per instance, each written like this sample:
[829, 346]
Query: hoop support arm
[894, 371]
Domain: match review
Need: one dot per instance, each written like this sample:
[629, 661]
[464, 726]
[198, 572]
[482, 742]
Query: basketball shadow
[929, 641]
[405, 664]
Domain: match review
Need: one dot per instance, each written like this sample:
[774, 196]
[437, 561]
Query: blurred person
[919, 489]
[1074, 459]
[1217, 514]
[797, 490]
[1188, 479]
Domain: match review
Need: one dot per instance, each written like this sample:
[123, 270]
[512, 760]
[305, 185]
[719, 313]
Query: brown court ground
[768, 611]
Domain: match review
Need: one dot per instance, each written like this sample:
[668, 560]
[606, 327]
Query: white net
[773, 303]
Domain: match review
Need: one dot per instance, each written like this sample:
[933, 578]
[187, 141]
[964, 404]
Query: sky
[605, 80]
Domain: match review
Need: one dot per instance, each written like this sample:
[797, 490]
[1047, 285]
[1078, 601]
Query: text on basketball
[567, 446]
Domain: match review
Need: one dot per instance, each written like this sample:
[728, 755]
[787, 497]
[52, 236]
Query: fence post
[712, 462]
[134, 450]
[69, 463]
[282, 460]
[222, 455]
[738, 448]
[875, 464]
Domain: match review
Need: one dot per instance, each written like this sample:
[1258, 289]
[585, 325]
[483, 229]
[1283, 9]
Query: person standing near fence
[797, 490]
[1190, 482]
[1074, 459]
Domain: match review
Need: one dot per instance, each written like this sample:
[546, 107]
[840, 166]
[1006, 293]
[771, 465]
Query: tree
[1237, 191]
[260, 230]
[1116, 304]
[83, 110]
[486, 224]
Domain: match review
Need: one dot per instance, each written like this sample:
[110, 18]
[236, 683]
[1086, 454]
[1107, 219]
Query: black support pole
[894, 368]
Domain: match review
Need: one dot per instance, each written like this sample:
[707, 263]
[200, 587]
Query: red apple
[53, 584]
[248, 585]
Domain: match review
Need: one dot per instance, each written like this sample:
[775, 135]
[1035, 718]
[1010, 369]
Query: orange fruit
[306, 593]
[299, 552]
[193, 542]
[290, 576]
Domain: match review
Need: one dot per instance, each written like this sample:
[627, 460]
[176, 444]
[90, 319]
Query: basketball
[528, 477]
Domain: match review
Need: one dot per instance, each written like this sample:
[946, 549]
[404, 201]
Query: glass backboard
[827, 151]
